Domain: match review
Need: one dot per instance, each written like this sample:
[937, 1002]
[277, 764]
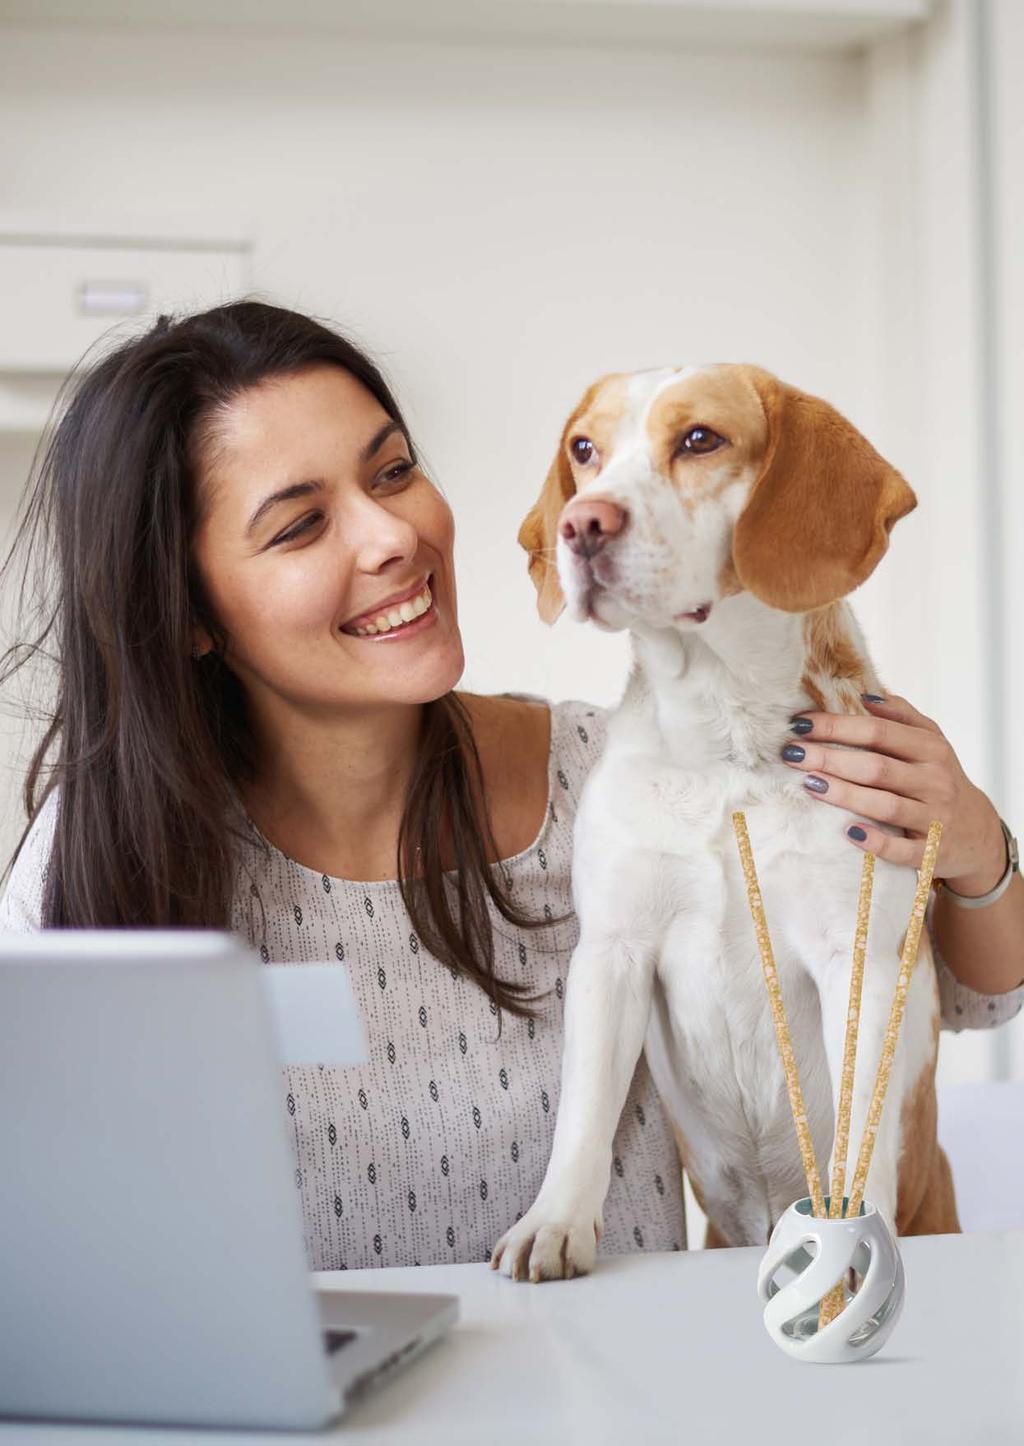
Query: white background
[502, 219]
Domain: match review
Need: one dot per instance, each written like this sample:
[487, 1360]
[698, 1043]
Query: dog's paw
[544, 1246]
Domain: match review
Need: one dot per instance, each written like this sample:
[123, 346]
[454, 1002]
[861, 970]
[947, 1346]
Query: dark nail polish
[816, 784]
[872, 698]
[793, 753]
[857, 832]
[800, 725]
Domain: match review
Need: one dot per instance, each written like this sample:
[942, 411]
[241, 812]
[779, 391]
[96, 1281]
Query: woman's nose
[380, 537]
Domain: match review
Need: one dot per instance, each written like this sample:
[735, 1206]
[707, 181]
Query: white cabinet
[59, 295]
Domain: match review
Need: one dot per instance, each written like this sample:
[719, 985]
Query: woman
[255, 727]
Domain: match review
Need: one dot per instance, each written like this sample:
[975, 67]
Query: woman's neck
[330, 790]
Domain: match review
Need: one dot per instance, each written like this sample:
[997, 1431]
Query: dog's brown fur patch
[830, 652]
[926, 1204]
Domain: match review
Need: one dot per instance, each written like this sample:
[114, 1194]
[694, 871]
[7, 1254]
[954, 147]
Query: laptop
[152, 1265]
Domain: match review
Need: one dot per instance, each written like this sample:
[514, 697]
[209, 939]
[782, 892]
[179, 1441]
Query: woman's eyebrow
[283, 494]
[379, 438]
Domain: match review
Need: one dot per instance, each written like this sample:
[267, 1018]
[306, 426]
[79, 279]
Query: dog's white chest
[711, 1042]
[685, 812]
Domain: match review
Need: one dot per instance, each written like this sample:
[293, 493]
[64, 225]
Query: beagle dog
[721, 517]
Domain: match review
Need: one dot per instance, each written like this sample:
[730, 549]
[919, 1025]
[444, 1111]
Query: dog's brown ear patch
[600, 405]
[537, 534]
[819, 515]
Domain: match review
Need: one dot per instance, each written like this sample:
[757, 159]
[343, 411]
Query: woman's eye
[300, 527]
[582, 449]
[396, 470]
[701, 440]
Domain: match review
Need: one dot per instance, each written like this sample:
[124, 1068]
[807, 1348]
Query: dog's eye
[582, 449]
[700, 440]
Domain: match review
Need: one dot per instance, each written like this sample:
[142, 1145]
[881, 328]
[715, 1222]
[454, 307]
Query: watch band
[1012, 867]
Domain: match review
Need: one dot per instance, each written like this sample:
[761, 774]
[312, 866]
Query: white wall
[501, 224]
[500, 227]
[1006, 98]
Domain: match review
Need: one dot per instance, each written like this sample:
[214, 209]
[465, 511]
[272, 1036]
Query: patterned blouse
[430, 1150]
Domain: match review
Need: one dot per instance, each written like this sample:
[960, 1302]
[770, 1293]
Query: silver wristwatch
[982, 900]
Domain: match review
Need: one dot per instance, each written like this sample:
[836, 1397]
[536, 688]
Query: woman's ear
[202, 643]
[819, 515]
[537, 534]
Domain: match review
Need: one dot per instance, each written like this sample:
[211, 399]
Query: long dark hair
[145, 742]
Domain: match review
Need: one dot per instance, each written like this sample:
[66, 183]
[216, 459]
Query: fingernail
[800, 725]
[857, 832]
[816, 784]
[792, 753]
[872, 698]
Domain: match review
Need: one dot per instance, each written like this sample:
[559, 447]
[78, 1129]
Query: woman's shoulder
[21, 904]
[535, 755]
[573, 731]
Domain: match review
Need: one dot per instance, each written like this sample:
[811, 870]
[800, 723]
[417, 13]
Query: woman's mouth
[400, 620]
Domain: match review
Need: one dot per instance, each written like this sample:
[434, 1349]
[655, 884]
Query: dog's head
[672, 490]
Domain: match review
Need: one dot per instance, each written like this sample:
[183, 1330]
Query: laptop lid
[151, 1247]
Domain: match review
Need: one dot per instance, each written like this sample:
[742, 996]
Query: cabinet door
[58, 298]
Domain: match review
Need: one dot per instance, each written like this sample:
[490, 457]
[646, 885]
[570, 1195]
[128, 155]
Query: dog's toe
[538, 1250]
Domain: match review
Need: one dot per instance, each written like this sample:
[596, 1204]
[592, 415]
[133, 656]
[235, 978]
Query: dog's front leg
[607, 1004]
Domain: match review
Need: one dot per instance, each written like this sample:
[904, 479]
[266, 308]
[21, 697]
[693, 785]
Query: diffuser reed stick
[908, 958]
[782, 1034]
[835, 1300]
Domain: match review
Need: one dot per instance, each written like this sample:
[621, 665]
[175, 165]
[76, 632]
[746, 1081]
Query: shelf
[816, 25]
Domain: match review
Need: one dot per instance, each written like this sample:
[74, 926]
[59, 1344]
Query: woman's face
[313, 520]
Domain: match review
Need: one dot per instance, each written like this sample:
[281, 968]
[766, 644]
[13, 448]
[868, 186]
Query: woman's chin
[425, 675]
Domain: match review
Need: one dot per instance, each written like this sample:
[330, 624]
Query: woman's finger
[907, 852]
[900, 710]
[876, 803]
[858, 765]
[883, 735]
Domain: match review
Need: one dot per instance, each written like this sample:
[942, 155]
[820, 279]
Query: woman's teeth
[395, 617]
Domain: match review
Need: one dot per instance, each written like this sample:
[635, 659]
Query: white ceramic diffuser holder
[805, 1258]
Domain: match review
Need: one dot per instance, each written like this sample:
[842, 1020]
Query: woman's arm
[903, 771]
[983, 947]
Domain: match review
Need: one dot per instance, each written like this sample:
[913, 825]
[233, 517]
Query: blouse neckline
[523, 854]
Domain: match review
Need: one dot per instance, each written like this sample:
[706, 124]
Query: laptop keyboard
[334, 1340]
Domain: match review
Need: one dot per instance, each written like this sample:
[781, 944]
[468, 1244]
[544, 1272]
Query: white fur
[667, 956]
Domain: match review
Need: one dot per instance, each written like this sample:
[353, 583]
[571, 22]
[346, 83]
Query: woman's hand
[902, 771]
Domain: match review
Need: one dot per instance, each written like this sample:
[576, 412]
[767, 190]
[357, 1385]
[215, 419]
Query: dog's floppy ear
[819, 516]
[537, 534]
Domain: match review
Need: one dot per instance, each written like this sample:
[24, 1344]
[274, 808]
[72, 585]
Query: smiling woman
[228, 495]
[255, 727]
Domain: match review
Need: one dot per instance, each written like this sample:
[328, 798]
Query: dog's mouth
[696, 615]
[594, 580]
[588, 609]
[588, 605]
[585, 606]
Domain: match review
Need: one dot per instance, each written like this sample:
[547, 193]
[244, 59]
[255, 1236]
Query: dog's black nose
[587, 524]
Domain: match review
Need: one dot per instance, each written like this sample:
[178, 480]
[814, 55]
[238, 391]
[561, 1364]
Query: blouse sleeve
[581, 730]
[962, 1007]
[21, 906]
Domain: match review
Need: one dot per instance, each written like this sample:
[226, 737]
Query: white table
[670, 1348]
